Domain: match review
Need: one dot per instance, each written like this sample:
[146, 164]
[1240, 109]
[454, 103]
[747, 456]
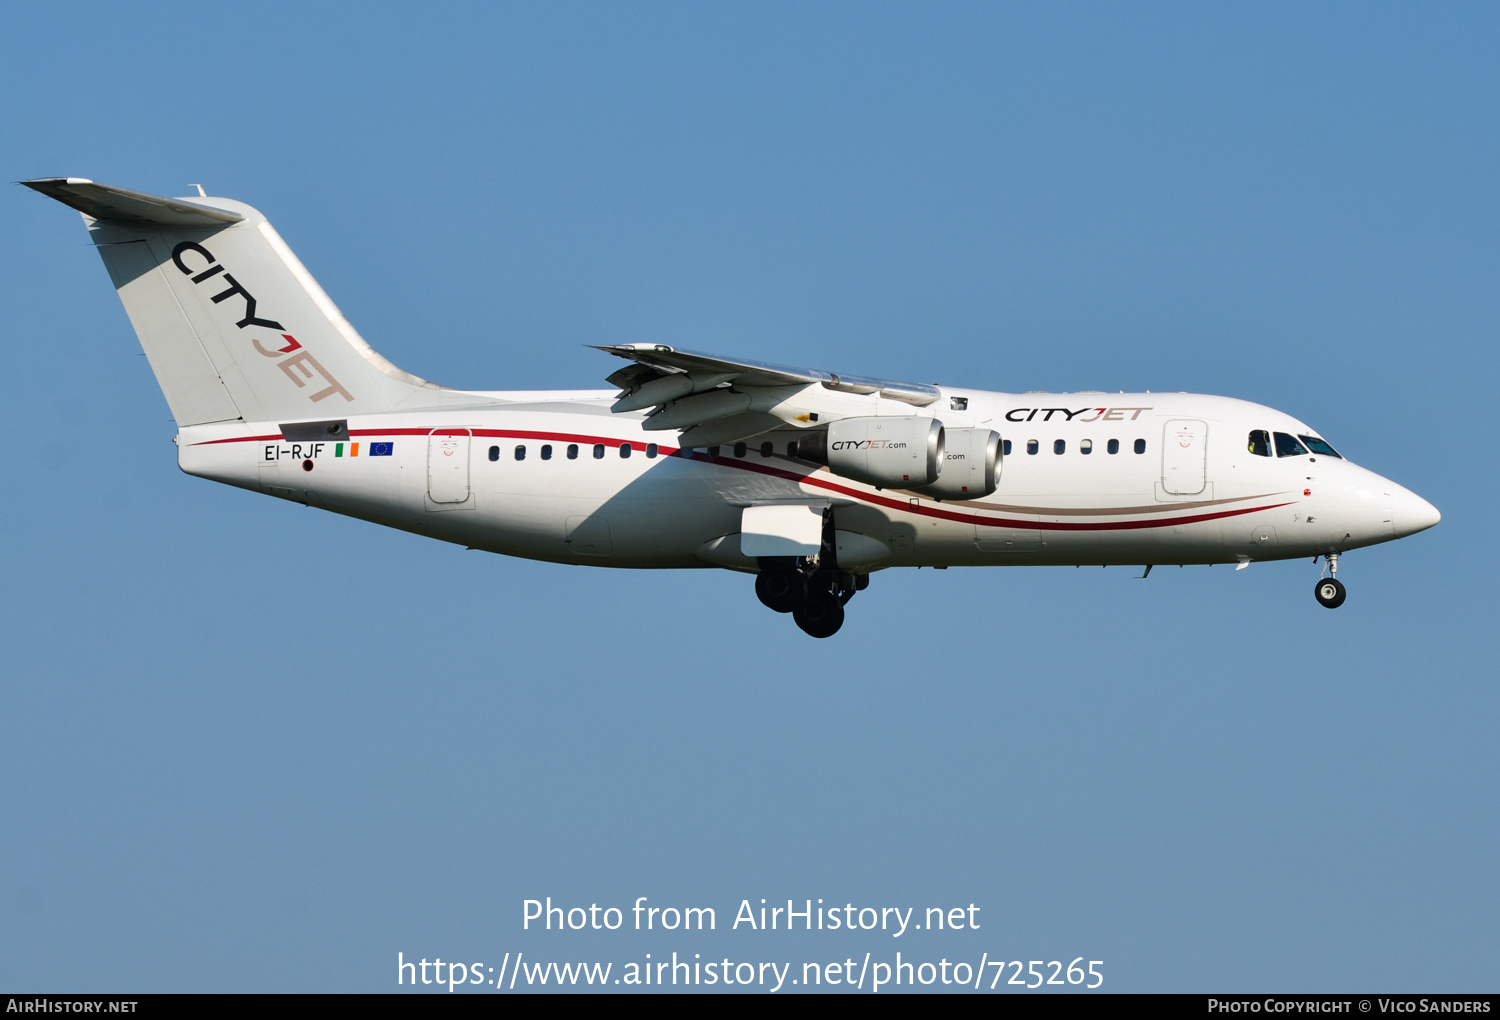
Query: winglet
[117, 205]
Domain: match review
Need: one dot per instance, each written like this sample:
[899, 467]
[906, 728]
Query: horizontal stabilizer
[117, 205]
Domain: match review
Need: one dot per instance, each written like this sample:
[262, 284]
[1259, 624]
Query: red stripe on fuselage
[811, 479]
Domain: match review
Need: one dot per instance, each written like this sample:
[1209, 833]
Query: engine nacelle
[971, 465]
[893, 453]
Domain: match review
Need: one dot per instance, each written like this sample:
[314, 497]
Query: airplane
[809, 480]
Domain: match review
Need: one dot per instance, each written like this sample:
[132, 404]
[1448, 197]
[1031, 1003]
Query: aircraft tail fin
[232, 322]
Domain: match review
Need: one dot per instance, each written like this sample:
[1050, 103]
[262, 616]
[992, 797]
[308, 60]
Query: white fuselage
[501, 478]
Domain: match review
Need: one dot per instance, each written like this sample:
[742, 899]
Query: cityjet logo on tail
[299, 366]
[1099, 413]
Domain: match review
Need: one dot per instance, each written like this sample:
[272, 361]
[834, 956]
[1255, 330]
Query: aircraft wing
[714, 400]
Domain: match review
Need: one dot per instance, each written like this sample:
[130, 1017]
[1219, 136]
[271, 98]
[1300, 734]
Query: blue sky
[253, 746]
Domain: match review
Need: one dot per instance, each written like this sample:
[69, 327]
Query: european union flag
[381, 449]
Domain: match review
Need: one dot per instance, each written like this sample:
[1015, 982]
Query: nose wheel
[1329, 591]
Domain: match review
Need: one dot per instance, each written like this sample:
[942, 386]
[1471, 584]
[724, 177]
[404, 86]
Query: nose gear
[1329, 591]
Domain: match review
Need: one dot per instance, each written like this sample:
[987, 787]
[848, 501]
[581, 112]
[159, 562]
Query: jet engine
[971, 465]
[898, 453]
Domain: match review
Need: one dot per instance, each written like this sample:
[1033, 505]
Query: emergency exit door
[1184, 456]
[448, 465]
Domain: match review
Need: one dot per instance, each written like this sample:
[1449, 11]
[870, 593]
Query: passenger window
[1086, 446]
[791, 448]
[765, 449]
[572, 451]
[739, 449]
[1140, 446]
[1286, 446]
[494, 453]
[1114, 446]
[1260, 443]
[1005, 447]
[1059, 446]
[598, 451]
[1031, 446]
[547, 452]
[713, 451]
[650, 450]
[1317, 445]
[624, 450]
[520, 453]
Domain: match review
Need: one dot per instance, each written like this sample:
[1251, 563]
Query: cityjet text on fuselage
[1088, 413]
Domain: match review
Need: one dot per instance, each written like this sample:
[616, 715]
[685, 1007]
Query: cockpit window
[1286, 446]
[1260, 443]
[1317, 445]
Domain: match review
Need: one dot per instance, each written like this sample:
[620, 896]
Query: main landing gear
[815, 597]
[1329, 591]
[781, 588]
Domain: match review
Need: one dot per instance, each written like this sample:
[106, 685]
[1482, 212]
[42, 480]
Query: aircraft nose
[1411, 513]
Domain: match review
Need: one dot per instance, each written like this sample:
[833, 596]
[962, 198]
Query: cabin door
[448, 465]
[1184, 456]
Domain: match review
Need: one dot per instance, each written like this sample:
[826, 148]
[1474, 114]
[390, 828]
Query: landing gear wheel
[1330, 593]
[781, 590]
[821, 615]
